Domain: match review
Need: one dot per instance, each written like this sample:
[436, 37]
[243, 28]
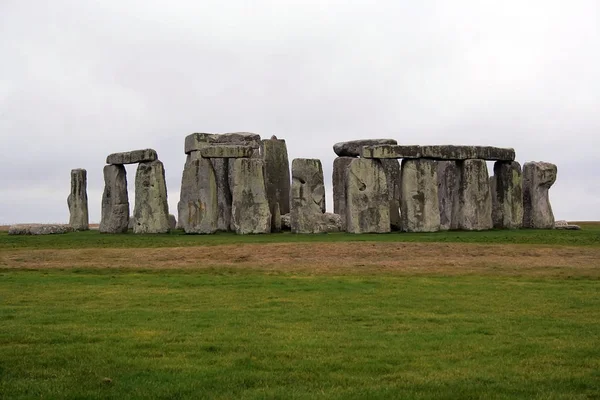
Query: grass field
[452, 315]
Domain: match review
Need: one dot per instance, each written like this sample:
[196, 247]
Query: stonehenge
[78, 201]
[238, 182]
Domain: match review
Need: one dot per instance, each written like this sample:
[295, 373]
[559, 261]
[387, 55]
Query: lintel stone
[227, 151]
[439, 152]
[132, 157]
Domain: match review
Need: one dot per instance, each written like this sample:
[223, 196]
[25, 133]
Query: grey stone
[566, 226]
[419, 200]
[353, 148]
[473, 209]
[197, 141]
[338, 180]
[151, 211]
[444, 152]
[172, 222]
[39, 229]
[394, 183]
[115, 201]
[277, 176]
[197, 207]
[78, 201]
[276, 219]
[333, 222]
[250, 207]
[132, 157]
[367, 198]
[286, 222]
[448, 180]
[226, 151]
[221, 171]
[507, 195]
[308, 196]
[538, 177]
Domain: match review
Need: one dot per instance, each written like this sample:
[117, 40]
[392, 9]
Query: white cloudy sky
[80, 79]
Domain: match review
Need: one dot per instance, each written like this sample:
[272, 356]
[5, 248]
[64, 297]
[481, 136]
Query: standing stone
[221, 173]
[115, 201]
[419, 199]
[250, 207]
[507, 195]
[538, 177]
[448, 179]
[308, 196]
[276, 219]
[197, 207]
[473, 208]
[151, 211]
[277, 176]
[367, 198]
[392, 174]
[78, 201]
[172, 222]
[338, 180]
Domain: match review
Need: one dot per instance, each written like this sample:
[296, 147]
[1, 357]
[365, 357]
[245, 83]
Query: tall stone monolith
[78, 201]
[472, 210]
[197, 207]
[250, 208]
[419, 200]
[538, 177]
[448, 179]
[277, 176]
[221, 173]
[507, 195]
[115, 201]
[151, 211]
[367, 198]
[338, 181]
[392, 174]
[308, 196]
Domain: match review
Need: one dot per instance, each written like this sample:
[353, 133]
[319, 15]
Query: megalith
[448, 179]
[338, 181]
[197, 207]
[507, 195]
[419, 200]
[277, 177]
[538, 177]
[353, 148]
[78, 201]
[473, 208]
[250, 207]
[151, 210]
[308, 196]
[221, 173]
[367, 198]
[392, 175]
[115, 201]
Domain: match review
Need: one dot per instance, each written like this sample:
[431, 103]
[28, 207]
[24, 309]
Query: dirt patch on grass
[330, 258]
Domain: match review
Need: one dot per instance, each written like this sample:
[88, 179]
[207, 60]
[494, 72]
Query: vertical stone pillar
[538, 177]
[338, 181]
[250, 207]
[115, 201]
[151, 211]
[473, 210]
[392, 174]
[419, 200]
[507, 195]
[308, 196]
[220, 168]
[448, 180]
[277, 178]
[367, 198]
[197, 207]
[78, 201]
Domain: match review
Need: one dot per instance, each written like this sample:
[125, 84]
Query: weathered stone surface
[115, 201]
[393, 178]
[506, 187]
[197, 207]
[566, 226]
[39, 229]
[439, 152]
[226, 151]
[419, 200]
[78, 201]
[151, 211]
[448, 180]
[308, 196]
[367, 198]
[197, 141]
[333, 222]
[353, 148]
[221, 170]
[277, 177]
[338, 180]
[286, 222]
[172, 222]
[473, 210]
[538, 177]
[132, 157]
[276, 219]
[250, 208]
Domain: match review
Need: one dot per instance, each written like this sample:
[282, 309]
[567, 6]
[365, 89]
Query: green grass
[589, 236]
[224, 334]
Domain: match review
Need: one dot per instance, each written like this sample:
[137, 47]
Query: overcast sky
[80, 79]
